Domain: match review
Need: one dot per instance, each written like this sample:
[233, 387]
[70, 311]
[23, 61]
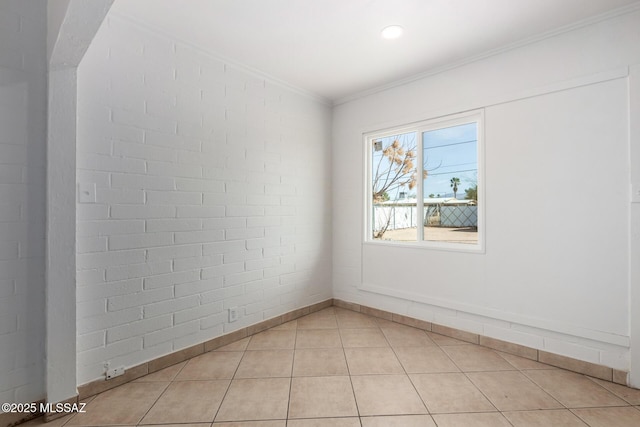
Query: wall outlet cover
[115, 372]
[233, 314]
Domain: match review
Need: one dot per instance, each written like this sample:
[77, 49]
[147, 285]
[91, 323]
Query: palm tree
[454, 184]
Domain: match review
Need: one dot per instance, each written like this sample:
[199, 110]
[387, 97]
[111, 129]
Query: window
[424, 183]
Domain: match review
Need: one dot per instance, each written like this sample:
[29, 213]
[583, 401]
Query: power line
[450, 166]
[452, 172]
[449, 145]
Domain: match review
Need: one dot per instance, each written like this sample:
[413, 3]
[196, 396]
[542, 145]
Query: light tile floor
[339, 368]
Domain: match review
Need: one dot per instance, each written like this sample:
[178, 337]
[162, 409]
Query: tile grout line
[549, 393]
[473, 384]
[407, 374]
[543, 390]
[158, 399]
[293, 361]
[522, 371]
[607, 390]
[230, 381]
[346, 362]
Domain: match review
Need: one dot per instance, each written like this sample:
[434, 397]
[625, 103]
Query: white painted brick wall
[23, 102]
[208, 179]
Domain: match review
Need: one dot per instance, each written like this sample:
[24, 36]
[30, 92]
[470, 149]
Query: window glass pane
[394, 186]
[450, 165]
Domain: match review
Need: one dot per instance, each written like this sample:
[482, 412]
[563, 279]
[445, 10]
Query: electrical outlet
[115, 372]
[233, 314]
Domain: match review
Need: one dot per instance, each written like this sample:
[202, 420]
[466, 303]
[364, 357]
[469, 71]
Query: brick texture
[212, 191]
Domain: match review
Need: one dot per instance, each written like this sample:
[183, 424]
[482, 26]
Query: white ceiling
[333, 48]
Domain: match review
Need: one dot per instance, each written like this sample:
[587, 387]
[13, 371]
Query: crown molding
[634, 7]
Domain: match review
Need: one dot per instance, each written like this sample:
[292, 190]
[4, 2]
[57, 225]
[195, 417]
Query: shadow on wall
[22, 234]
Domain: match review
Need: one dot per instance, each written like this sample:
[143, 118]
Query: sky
[448, 152]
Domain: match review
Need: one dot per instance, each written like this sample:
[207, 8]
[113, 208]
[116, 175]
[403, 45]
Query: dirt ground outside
[467, 235]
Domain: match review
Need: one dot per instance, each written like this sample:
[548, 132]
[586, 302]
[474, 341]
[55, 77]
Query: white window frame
[419, 128]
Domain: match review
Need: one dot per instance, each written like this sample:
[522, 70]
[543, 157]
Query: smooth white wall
[555, 272]
[23, 109]
[68, 45]
[212, 191]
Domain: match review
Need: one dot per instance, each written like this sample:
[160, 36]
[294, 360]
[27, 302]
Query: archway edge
[81, 21]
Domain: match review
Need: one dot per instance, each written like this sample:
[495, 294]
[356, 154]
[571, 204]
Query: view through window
[424, 183]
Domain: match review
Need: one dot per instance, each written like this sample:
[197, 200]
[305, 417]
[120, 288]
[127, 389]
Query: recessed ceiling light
[391, 32]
